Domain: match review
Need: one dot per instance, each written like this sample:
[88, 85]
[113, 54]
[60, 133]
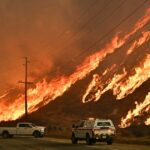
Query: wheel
[36, 134]
[88, 140]
[5, 135]
[74, 139]
[93, 141]
[109, 142]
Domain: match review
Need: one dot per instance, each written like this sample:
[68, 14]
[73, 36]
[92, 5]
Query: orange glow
[4, 95]
[147, 122]
[142, 73]
[145, 37]
[93, 88]
[96, 88]
[120, 84]
[44, 92]
[138, 111]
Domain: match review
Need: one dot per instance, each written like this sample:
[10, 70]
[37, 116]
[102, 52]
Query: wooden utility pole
[26, 87]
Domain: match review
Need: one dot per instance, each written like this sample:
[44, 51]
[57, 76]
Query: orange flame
[96, 88]
[93, 87]
[145, 37]
[45, 92]
[138, 111]
[121, 88]
[142, 73]
[147, 122]
[4, 95]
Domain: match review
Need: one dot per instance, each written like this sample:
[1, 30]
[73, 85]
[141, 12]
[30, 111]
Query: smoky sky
[54, 33]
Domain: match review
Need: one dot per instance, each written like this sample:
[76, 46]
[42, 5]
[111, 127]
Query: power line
[112, 12]
[102, 21]
[79, 17]
[92, 18]
[110, 31]
[88, 22]
[128, 43]
[116, 26]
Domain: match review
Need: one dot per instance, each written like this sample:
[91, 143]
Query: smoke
[42, 30]
[28, 28]
[56, 40]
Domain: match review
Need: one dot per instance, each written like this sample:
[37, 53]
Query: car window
[103, 124]
[33, 125]
[81, 123]
[89, 123]
[24, 125]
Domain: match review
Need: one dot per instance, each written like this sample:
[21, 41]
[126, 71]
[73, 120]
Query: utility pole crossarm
[25, 82]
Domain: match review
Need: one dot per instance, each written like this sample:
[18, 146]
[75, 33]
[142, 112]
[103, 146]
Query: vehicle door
[80, 130]
[24, 129]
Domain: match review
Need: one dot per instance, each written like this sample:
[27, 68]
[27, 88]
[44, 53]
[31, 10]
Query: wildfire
[145, 37]
[97, 88]
[138, 111]
[44, 91]
[147, 122]
[93, 88]
[142, 73]
[4, 95]
[120, 85]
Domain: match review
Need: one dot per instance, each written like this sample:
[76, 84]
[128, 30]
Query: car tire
[109, 142]
[5, 135]
[74, 140]
[88, 140]
[93, 141]
[36, 134]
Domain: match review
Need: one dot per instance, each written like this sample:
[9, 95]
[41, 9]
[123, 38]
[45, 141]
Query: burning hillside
[122, 78]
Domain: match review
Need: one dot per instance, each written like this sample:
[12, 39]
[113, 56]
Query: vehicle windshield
[103, 124]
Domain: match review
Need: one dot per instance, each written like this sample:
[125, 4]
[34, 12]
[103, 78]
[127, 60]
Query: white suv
[93, 130]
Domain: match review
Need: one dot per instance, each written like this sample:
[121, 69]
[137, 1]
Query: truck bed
[11, 130]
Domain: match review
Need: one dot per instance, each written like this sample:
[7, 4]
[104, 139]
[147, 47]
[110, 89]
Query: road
[30, 143]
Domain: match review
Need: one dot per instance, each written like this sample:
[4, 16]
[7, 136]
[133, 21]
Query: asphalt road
[30, 143]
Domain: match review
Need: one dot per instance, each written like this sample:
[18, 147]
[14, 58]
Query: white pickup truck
[28, 129]
[93, 130]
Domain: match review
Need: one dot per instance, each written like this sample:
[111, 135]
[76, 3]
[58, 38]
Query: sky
[55, 34]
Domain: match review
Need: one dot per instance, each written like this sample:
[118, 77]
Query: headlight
[42, 130]
[109, 131]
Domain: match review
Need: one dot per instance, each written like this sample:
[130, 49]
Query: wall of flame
[122, 83]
